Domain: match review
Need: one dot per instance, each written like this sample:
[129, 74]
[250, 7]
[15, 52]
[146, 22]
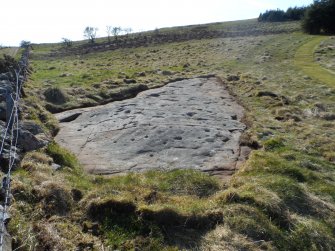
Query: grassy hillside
[282, 198]
[11, 51]
[305, 60]
[325, 54]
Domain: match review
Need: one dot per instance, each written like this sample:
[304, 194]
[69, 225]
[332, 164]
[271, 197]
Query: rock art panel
[192, 124]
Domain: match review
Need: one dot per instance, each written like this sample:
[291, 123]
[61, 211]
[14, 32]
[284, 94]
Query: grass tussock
[124, 212]
[261, 207]
[309, 234]
[251, 222]
[269, 202]
[55, 95]
[33, 110]
[62, 156]
[224, 238]
[56, 199]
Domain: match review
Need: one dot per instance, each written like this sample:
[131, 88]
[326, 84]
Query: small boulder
[55, 166]
[167, 73]
[63, 75]
[233, 78]
[32, 127]
[7, 239]
[129, 81]
[29, 142]
[8, 156]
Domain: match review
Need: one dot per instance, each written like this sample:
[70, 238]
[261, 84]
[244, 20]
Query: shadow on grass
[121, 221]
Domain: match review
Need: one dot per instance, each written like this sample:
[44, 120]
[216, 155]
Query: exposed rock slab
[186, 124]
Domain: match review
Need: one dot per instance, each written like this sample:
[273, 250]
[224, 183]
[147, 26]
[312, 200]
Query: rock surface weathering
[186, 124]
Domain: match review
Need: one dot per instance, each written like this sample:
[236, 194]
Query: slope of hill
[282, 198]
[11, 51]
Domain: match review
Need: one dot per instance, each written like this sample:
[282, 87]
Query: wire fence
[11, 135]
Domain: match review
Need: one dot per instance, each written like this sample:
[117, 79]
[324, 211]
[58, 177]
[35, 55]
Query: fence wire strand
[12, 129]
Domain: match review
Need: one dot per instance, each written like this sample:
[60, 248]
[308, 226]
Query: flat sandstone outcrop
[192, 124]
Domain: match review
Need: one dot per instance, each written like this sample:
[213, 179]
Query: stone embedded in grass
[233, 78]
[29, 142]
[167, 73]
[55, 166]
[8, 157]
[129, 81]
[65, 75]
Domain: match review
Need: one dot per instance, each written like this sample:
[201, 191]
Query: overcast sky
[42, 21]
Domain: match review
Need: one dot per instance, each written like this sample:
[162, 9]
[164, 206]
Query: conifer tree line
[320, 17]
[317, 18]
[296, 13]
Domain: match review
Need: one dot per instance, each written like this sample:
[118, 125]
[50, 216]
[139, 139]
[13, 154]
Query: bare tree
[90, 33]
[67, 42]
[109, 30]
[127, 31]
[116, 31]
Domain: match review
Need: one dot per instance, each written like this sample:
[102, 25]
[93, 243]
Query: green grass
[325, 54]
[282, 198]
[132, 210]
[86, 76]
[14, 52]
[62, 156]
[304, 59]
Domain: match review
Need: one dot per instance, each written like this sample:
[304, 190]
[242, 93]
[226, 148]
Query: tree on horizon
[320, 17]
[90, 33]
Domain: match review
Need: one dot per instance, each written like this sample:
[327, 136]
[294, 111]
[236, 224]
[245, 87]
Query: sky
[46, 21]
